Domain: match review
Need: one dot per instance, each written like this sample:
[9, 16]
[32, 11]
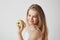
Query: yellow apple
[20, 23]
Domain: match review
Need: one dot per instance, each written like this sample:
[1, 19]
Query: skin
[35, 35]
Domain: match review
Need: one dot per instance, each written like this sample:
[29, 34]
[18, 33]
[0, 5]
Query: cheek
[35, 20]
[28, 18]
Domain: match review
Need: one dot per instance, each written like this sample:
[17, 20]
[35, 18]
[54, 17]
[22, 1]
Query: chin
[31, 23]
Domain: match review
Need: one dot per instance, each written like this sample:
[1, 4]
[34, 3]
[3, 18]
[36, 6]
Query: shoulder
[36, 34]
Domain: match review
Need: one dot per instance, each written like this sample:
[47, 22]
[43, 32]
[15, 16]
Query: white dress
[26, 34]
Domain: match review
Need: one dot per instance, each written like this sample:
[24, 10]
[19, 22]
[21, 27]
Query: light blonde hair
[42, 20]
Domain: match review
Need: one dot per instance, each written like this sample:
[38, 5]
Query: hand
[20, 24]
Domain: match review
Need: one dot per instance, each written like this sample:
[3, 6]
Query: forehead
[33, 12]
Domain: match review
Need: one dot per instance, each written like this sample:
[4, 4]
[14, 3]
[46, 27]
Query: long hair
[42, 20]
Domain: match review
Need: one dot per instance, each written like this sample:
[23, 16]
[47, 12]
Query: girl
[35, 26]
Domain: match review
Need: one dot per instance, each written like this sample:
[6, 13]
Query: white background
[13, 10]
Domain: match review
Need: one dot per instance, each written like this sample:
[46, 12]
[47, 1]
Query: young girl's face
[32, 17]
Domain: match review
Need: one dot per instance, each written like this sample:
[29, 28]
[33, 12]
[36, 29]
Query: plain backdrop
[13, 10]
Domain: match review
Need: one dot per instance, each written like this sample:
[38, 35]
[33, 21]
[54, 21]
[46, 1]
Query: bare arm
[20, 36]
[20, 27]
[19, 32]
